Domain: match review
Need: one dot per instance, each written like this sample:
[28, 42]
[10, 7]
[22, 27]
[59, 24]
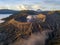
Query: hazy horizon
[30, 4]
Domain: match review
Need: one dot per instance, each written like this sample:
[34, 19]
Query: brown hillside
[14, 30]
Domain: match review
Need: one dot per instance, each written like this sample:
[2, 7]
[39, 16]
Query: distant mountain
[7, 11]
[38, 10]
[21, 13]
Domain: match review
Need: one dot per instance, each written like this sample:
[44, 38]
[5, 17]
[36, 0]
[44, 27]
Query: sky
[30, 4]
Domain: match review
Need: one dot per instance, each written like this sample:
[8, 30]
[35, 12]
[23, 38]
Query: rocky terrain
[15, 32]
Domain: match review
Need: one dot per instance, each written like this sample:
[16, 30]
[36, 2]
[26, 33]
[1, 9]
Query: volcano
[15, 31]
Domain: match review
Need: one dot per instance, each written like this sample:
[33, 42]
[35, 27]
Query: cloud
[30, 4]
[35, 7]
[56, 2]
[31, 7]
[22, 7]
[1, 21]
[35, 39]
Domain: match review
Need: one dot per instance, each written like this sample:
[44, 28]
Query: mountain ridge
[8, 11]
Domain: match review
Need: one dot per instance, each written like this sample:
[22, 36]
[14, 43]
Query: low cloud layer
[35, 39]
